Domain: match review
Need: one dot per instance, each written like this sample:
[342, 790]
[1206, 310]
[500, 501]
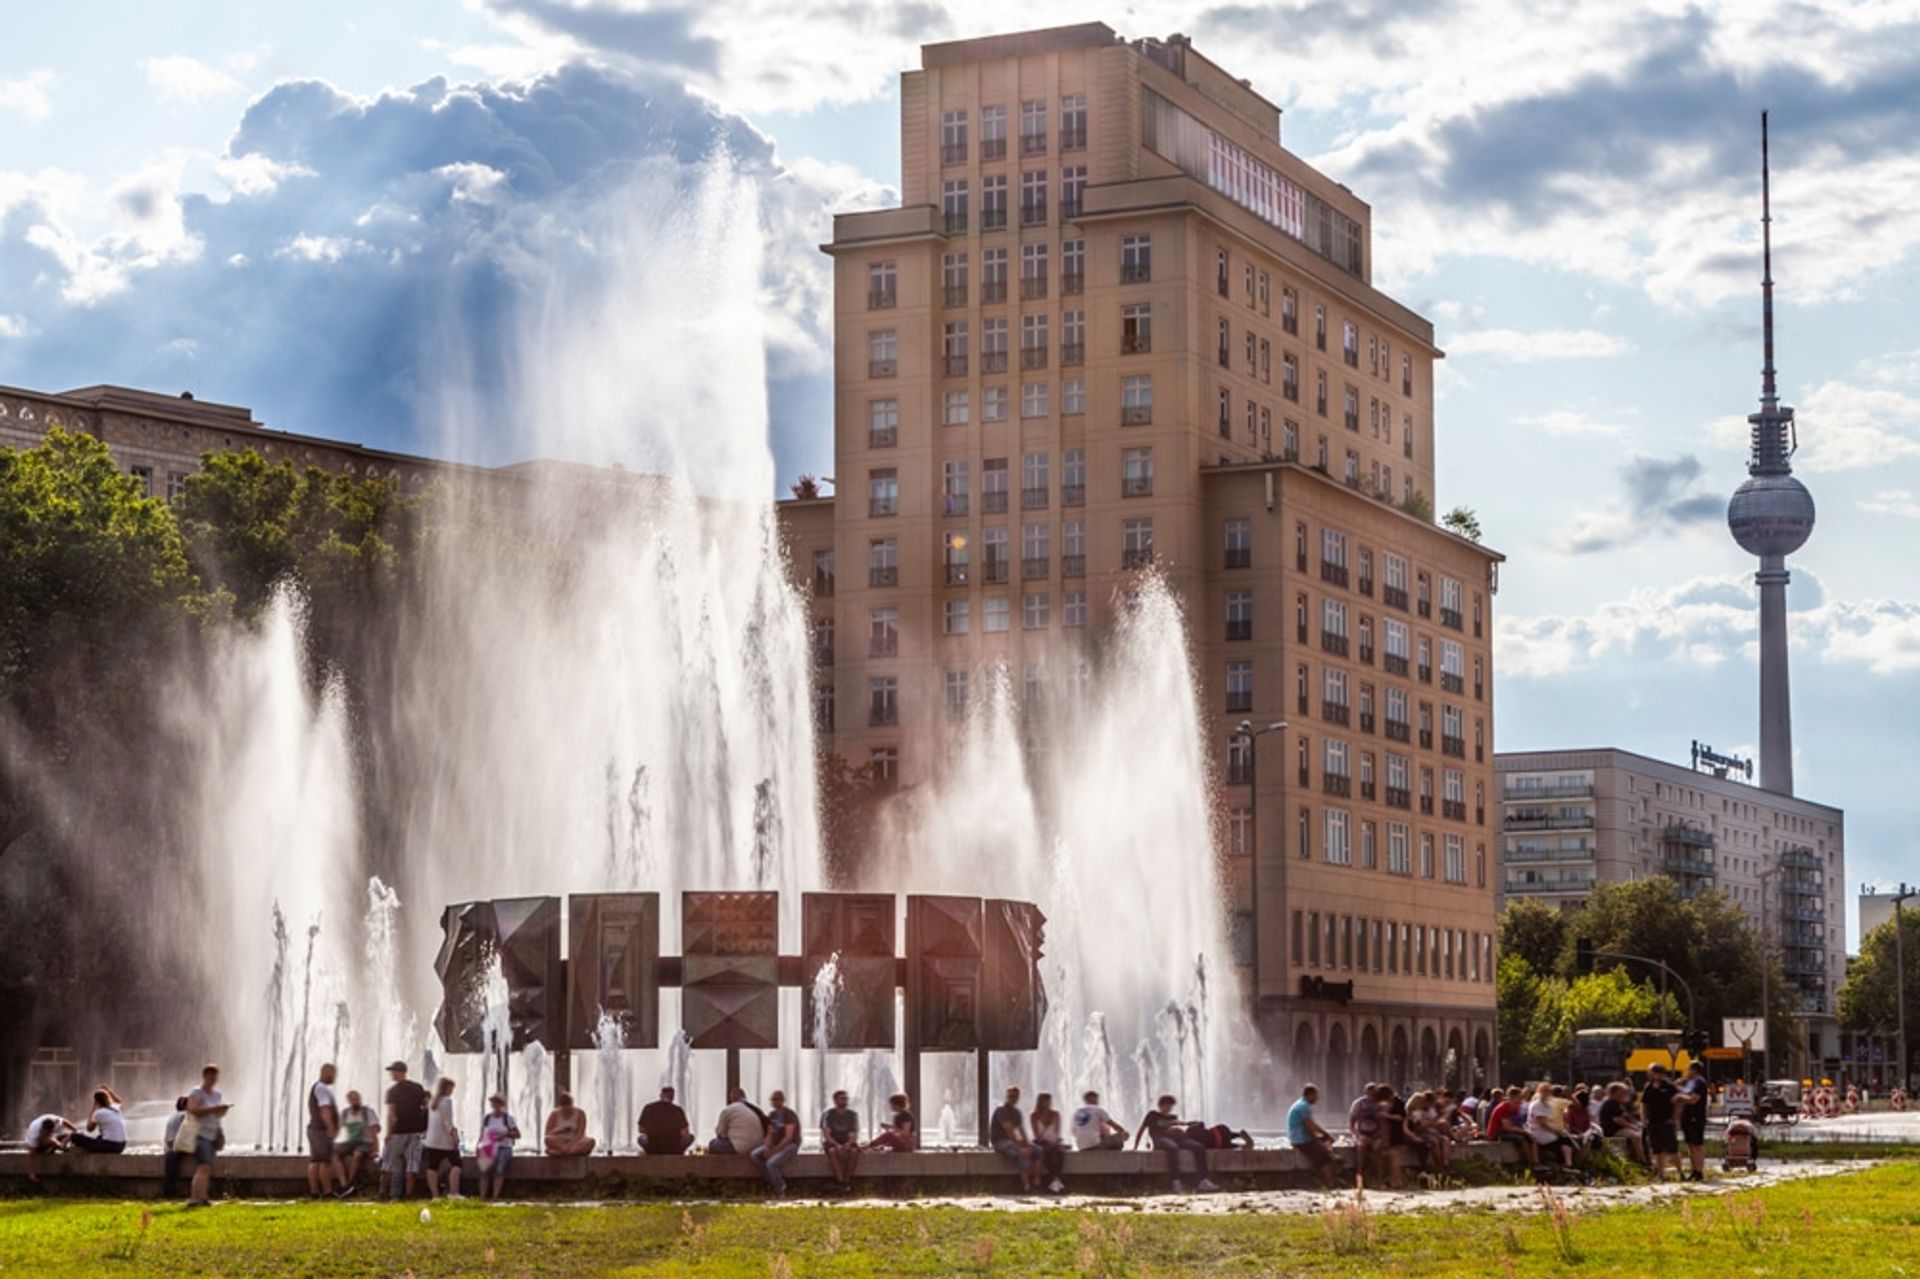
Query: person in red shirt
[1508, 1123]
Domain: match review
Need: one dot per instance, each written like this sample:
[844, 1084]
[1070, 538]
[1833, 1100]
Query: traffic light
[1696, 1043]
[1583, 955]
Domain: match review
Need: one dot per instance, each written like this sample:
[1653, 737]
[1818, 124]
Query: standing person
[1656, 1111]
[106, 1132]
[664, 1129]
[171, 1156]
[1045, 1122]
[1617, 1119]
[567, 1129]
[1693, 1097]
[406, 1129]
[740, 1127]
[1007, 1129]
[440, 1145]
[323, 1127]
[840, 1140]
[902, 1132]
[1094, 1128]
[48, 1135]
[1169, 1135]
[359, 1139]
[782, 1142]
[1370, 1136]
[210, 1114]
[498, 1131]
[1308, 1139]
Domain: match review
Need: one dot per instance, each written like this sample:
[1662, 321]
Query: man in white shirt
[323, 1126]
[47, 1135]
[209, 1112]
[740, 1127]
[1094, 1128]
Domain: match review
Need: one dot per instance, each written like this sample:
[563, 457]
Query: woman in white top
[440, 1148]
[106, 1132]
[1544, 1126]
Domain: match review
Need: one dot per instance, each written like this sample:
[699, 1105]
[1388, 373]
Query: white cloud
[1564, 422]
[1527, 346]
[256, 174]
[29, 96]
[13, 326]
[179, 78]
[321, 248]
[1900, 502]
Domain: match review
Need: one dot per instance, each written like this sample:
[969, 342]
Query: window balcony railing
[956, 365]
[1033, 144]
[993, 502]
[1366, 654]
[1239, 628]
[823, 655]
[957, 574]
[1454, 809]
[1399, 797]
[887, 645]
[1450, 617]
[1070, 209]
[1452, 683]
[1337, 784]
[1073, 139]
[1454, 746]
[1333, 573]
[1073, 566]
[881, 299]
[1036, 567]
[1136, 486]
[1136, 343]
[997, 572]
[1368, 790]
[954, 503]
[1426, 739]
[993, 361]
[1335, 713]
[993, 219]
[882, 716]
[956, 223]
[1426, 674]
[1072, 283]
[1136, 272]
[1033, 286]
[1366, 721]
[883, 437]
[1033, 499]
[1394, 664]
[1332, 643]
[1548, 792]
[1394, 597]
[953, 153]
[878, 576]
[1131, 559]
[1584, 822]
[1033, 214]
[955, 295]
[882, 368]
[1073, 495]
[993, 148]
[880, 507]
[1073, 354]
[1366, 586]
[1239, 557]
[1239, 699]
[1136, 415]
[1033, 357]
[992, 291]
[1399, 730]
[1426, 805]
[1522, 852]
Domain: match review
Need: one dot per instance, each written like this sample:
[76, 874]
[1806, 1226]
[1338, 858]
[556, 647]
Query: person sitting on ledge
[1170, 1135]
[840, 1140]
[47, 1135]
[1046, 1140]
[106, 1132]
[740, 1127]
[567, 1129]
[1308, 1139]
[1094, 1128]
[663, 1126]
[900, 1133]
[1007, 1129]
[782, 1143]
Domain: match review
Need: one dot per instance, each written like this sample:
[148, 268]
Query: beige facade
[1092, 340]
[1571, 818]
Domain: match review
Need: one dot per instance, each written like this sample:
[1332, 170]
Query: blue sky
[286, 206]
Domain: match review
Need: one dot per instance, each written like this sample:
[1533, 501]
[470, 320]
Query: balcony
[993, 219]
[956, 365]
[1136, 415]
[883, 437]
[1366, 721]
[1072, 354]
[1454, 809]
[992, 291]
[993, 502]
[1681, 864]
[1069, 209]
[1366, 654]
[958, 574]
[1426, 739]
[953, 153]
[1399, 730]
[1426, 674]
[1033, 214]
[1033, 499]
[881, 299]
[1368, 790]
[1366, 586]
[887, 645]
[1073, 566]
[1394, 597]
[1135, 343]
[1033, 144]
[1801, 914]
[1686, 835]
[1136, 272]
[1452, 683]
[993, 148]
[881, 576]
[1425, 608]
[1137, 486]
[882, 368]
[1426, 805]
[1335, 713]
[1332, 643]
[1334, 573]
[1239, 628]
[1033, 286]
[881, 507]
[955, 295]
[955, 223]
[993, 361]
[1581, 822]
[1072, 283]
[1239, 556]
[1394, 664]
[1399, 797]
[1033, 357]
[1337, 784]
[1564, 883]
[1801, 859]
[1132, 559]
[1454, 746]
[1073, 139]
[997, 571]
[1450, 618]
[954, 504]
[1540, 853]
[1073, 495]
[1036, 567]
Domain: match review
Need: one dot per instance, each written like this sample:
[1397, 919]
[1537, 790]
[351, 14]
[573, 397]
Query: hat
[400, 1066]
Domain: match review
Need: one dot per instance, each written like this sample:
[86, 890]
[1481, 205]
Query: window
[1337, 851]
[1136, 472]
[1452, 667]
[953, 137]
[1136, 401]
[823, 641]
[1320, 395]
[1299, 939]
[1033, 128]
[883, 492]
[1369, 860]
[883, 632]
[953, 279]
[1239, 615]
[953, 205]
[1450, 611]
[993, 402]
[823, 708]
[956, 408]
[959, 616]
[1073, 609]
[1223, 416]
[993, 344]
[882, 285]
[883, 765]
[1352, 470]
[1333, 690]
[1035, 540]
[1333, 759]
[1265, 296]
[1136, 328]
[953, 347]
[993, 490]
[823, 572]
[1239, 686]
[1426, 856]
[1223, 345]
[1073, 189]
[1352, 408]
[1290, 377]
[1350, 344]
[1393, 578]
[1033, 341]
[1289, 311]
[1253, 364]
[1036, 611]
[1290, 440]
[883, 352]
[883, 562]
[1033, 480]
[1399, 862]
[883, 423]
[1239, 831]
[1033, 198]
[956, 694]
[1333, 555]
[883, 701]
[1073, 395]
[1266, 362]
[1136, 543]
[1136, 259]
[955, 555]
[1313, 931]
[1073, 122]
[993, 198]
[993, 133]
[1320, 328]
[1073, 267]
[1073, 477]
[1239, 543]
[955, 488]
[1033, 275]
[1406, 375]
[997, 613]
[1246, 276]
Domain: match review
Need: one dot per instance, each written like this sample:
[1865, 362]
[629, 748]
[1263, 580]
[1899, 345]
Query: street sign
[1673, 1050]
[1744, 1032]
[1723, 1054]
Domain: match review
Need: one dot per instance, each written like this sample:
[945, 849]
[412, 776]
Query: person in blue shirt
[1314, 1143]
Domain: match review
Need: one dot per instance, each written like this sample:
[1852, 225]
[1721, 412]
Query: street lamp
[1766, 972]
[1246, 732]
[1900, 976]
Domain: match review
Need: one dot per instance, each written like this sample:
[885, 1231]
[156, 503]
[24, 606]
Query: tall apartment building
[1115, 326]
[1572, 818]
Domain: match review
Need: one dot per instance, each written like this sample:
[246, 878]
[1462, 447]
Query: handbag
[189, 1134]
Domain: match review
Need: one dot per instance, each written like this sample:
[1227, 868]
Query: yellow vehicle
[1604, 1054]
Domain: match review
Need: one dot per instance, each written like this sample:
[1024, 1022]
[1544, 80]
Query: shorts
[204, 1152]
[1014, 1152]
[319, 1144]
[402, 1153]
[1695, 1134]
[345, 1147]
[1661, 1140]
[1314, 1153]
[436, 1159]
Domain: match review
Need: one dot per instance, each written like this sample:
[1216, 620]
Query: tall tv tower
[1771, 516]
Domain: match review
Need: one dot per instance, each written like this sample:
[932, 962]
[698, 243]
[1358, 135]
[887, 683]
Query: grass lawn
[1856, 1224]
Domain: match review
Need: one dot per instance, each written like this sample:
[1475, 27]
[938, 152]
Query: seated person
[359, 1141]
[106, 1132]
[840, 1141]
[1007, 1130]
[47, 1135]
[1545, 1127]
[663, 1126]
[1508, 1122]
[1372, 1147]
[1426, 1131]
[567, 1129]
[740, 1127]
[902, 1131]
[1170, 1135]
[1308, 1139]
[1094, 1128]
[1617, 1119]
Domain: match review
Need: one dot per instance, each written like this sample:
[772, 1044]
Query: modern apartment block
[1572, 818]
[1116, 327]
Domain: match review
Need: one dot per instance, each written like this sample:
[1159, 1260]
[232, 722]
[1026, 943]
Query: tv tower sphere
[1771, 515]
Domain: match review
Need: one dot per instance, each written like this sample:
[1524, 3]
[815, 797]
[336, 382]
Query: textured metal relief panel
[730, 969]
[527, 932]
[466, 951]
[1014, 996]
[856, 932]
[944, 949]
[613, 943]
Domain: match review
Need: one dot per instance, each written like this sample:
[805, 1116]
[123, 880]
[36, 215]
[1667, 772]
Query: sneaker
[1057, 1186]
[346, 1192]
[1206, 1187]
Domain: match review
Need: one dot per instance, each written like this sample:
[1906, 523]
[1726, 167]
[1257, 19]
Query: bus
[1604, 1054]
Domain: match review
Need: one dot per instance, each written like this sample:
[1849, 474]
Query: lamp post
[1766, 972]
[1900, 977]
[1246, 732]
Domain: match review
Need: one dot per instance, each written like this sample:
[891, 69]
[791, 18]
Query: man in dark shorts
[1007, 1129]
[840, 1141]
[1312, 1142]
[1693, 1119]
[1170, 1135]
[406, 1133]
[1656, 1109]
[663, 1126]
[323, 1126]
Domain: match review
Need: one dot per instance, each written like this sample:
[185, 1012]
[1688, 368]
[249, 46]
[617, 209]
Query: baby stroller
[1743, 1147]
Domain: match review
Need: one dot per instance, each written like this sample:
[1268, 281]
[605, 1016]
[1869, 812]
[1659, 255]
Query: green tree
[1534, 931]
[1418, 505]
[1462, 520]
[1869, 997]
